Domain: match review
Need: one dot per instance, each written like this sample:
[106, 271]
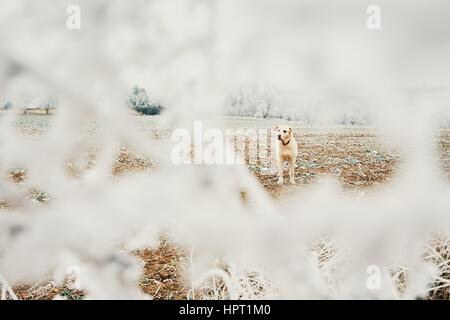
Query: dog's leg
[280, 172]
[291, 172]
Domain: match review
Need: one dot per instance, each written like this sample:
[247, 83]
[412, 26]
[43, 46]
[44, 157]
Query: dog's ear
[290, 129]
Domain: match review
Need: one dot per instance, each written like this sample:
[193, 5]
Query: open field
[355, 156]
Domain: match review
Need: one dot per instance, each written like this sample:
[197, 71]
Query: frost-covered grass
[354, 154]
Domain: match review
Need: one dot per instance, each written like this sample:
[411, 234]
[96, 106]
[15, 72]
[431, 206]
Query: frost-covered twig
[6, 289]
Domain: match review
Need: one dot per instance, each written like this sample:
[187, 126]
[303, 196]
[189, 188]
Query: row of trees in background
[254, 101]
[258, 101]
[44, 102]
[138, 100]
[262, 101]
[306, 106]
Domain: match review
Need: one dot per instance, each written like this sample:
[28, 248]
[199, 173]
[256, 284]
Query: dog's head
[284, 133]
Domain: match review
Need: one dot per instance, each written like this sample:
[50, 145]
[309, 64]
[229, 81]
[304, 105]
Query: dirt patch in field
[163, 276]
[47, 290]
[357, 160]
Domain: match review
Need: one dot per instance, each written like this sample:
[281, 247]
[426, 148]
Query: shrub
[7, 105]
[149, 110]
[139, 101]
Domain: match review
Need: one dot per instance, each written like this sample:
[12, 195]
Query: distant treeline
[314, 107]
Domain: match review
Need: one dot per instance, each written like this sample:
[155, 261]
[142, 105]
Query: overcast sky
[172, 46]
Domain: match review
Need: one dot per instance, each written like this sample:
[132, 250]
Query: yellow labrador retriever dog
[286, 151]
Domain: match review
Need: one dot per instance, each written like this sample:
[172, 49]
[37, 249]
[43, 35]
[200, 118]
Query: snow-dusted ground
[355, 156]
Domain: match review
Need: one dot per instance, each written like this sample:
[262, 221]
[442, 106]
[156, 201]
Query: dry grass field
[355, 156]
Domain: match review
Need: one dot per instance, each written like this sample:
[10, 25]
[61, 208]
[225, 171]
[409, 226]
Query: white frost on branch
[191, 53]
